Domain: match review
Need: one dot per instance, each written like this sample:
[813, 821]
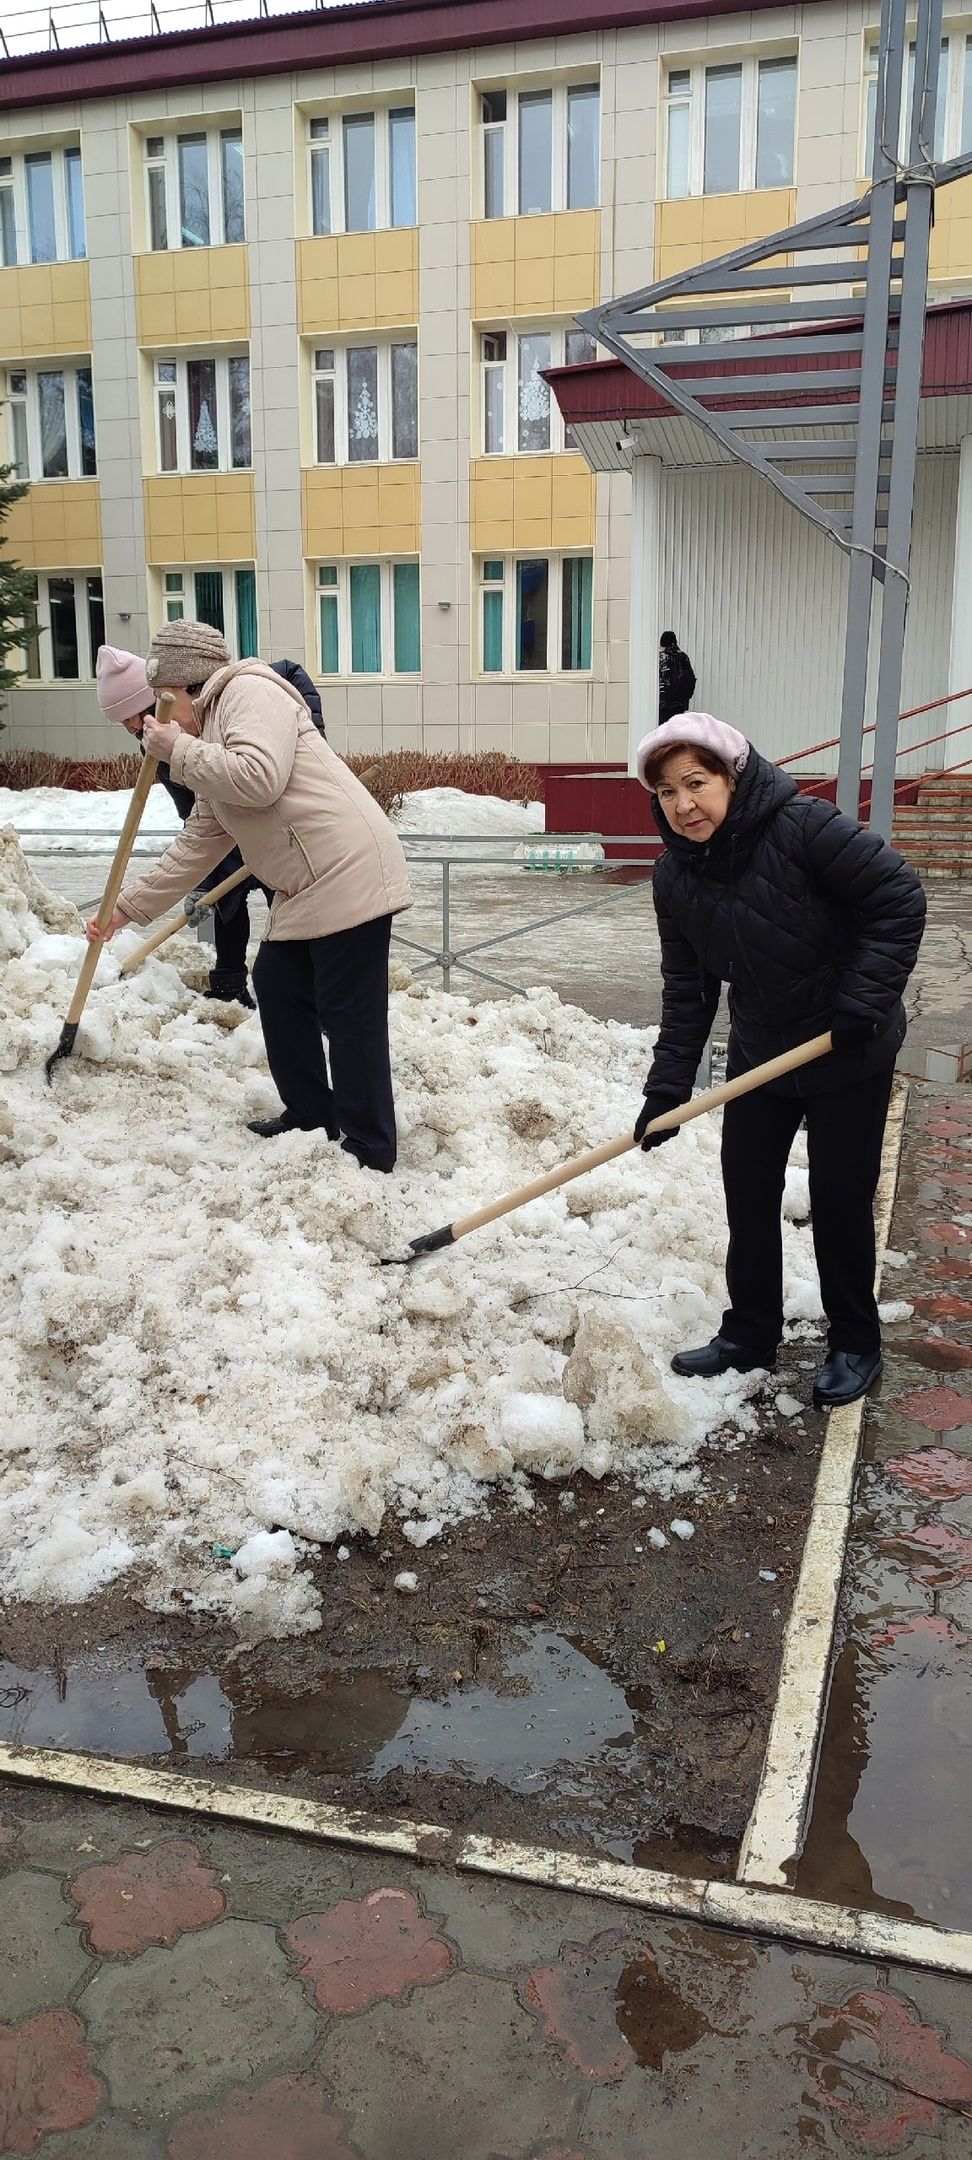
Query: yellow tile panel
[951, 241]
[45, 308]
[358, 281]
[361, 510]
[532, 265]
[192, 296]
[57, 526]
[702, 227]
[200, 517]
[522, 502]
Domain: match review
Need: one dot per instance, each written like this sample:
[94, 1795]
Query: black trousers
[844, 1137]
[336, 986]
[232, 938]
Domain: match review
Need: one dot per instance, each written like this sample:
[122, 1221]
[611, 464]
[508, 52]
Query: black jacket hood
[761, 790]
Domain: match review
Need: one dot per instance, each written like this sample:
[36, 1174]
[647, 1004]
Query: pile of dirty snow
[197, 1345]
[58, 821]
[446, 811]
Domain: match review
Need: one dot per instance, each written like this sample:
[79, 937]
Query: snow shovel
[116, 874]
[434, 1240]
[190, 914]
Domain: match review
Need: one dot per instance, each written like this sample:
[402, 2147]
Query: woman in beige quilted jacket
[243, 741]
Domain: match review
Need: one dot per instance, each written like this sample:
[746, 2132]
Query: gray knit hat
[185, 652]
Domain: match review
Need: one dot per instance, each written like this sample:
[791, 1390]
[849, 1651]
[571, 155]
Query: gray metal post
[901, 501]
[446, 929]
[887, 121]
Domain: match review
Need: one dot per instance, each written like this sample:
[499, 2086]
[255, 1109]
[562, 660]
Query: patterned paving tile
[368, 1950]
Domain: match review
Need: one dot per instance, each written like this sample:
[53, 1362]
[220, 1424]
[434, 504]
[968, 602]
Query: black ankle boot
[229, 987]
[270, 1128]
[717, 1357]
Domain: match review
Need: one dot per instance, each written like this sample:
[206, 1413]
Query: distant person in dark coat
[676, 678]
[125, 694]
[815, 925]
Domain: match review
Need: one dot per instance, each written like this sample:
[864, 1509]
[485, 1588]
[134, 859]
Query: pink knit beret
[698, 730]
[123, 686]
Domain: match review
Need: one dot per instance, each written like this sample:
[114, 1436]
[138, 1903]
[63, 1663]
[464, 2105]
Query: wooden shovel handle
[168, 929]
[126, 842]
[713, 1099]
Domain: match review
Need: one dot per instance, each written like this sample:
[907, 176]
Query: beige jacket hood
[263, 776]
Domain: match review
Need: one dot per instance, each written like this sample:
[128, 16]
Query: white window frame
[28, 400]
[956, 37]
[386, 564]
[380, 111]
[559, 90]
[16, 183]
[696, 68]
[179, 604]
[558, 334]
[555, 559]
[180, 361]
[341, 347]
[168, 159]
[86, 654]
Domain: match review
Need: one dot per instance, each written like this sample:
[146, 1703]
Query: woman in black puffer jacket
[815, 924]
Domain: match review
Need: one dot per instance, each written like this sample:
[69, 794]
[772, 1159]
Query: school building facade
[277, 299]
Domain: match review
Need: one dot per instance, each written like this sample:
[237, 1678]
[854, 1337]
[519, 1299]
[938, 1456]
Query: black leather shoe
[269, 1128]
[229, 987]
[719, 1356]
[845, 1375]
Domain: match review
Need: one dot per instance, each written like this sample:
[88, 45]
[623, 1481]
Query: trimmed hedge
[387, 776]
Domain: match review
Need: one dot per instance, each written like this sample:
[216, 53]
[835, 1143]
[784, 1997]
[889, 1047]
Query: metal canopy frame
[858, 487]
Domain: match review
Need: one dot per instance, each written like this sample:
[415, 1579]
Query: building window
[519, 414]
[536, 614]
[41, 207]
[50, 423]
[226, 599]
[369, 618]
[65, 627]
[202, 414]
[362, 170]
[730, 127]
[194, 188]
[953, 113]
[540, 149]
[365, 403]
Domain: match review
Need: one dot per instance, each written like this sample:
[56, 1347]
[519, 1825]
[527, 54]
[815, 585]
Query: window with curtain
[365, 402]
[325, 439]
[238, 369]
[369, 618]
[535, 151]
[359, 172]
[231, 175]
[533, 394]
[407, 613]
[320, 175]
[96, 615]
[158, 217]
[209, 599]
[365, 593]
[40, 208]
[16, 402]
[576, 611]
[53, 424]
[203, 436]
[74, 190]
[8, 215]
[362, 366]
[404, 391]
[64, 626]
[536, 614]
[86, 426]
[65, 649]
[493, 113]
[203, 413]
[730, 126]
[723, 114]
[401, 160]
[583, 146]
[247, 642]
[193, 158]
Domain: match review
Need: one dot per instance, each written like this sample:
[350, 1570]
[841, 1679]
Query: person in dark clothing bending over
[125, 694]
[676, 678]
[815, 924]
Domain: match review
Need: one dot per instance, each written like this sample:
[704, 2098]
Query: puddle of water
[889, 1827]
[563, 1710]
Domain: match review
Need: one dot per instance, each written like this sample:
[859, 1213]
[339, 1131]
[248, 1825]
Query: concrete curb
[776, 1825]
[738, 1906]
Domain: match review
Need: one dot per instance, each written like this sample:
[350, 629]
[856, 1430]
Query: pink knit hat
[700, 729]
[123, 686]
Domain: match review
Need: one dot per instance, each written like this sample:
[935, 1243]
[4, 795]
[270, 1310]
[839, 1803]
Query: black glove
[850, 1032]
[656, 1102]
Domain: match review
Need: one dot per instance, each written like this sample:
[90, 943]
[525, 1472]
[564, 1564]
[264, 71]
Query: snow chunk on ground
[444, 811]
[198, 1346]
[895, 1309]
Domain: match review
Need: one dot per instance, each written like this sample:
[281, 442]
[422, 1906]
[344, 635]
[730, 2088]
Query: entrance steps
[935, 833]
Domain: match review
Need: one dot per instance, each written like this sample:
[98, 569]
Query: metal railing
[927, 742]
[451, 850]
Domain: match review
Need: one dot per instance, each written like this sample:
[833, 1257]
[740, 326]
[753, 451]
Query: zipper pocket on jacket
[301, 850]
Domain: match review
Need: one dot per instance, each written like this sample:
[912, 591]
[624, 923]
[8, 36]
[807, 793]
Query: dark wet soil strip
[555, 1679]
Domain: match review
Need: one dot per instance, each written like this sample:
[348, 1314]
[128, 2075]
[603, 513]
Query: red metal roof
[608, 390]
[375, 30]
